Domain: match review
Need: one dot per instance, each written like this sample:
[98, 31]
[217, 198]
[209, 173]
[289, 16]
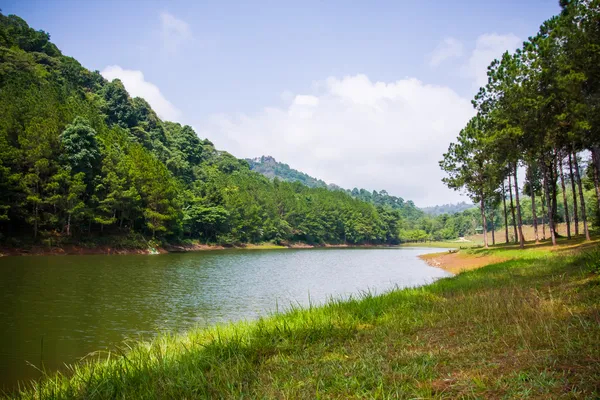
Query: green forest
[81, 160]
[448, 221]
[539, 111]
[271, 168]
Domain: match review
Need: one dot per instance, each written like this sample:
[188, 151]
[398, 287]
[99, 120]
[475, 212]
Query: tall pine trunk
[546, 174]
[534, 215]
[581, 198]
[564, 194]
[520, 222]
[485, 241]
[493, 231]
[596, 168]
[505, 214]
[543, 217]
[533, 212]
[554, 204]
[512, 208]
[575, 215]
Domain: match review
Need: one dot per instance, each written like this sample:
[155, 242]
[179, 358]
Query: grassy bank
[527, 327]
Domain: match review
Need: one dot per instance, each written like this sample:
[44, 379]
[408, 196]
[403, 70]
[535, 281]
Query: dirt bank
[458, 262]
[179, 248]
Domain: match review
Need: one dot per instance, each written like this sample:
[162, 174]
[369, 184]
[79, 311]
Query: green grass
[524, 328]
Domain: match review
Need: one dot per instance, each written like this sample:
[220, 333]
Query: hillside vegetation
[429, 224]
[81, 160]
[271, 168]
[448, 208]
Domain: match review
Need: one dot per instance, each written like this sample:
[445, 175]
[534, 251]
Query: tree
[468, 167]
[80, 148]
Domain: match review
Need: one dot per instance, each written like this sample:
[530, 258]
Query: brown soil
[458, 262]
[107, 250]
[69, 250]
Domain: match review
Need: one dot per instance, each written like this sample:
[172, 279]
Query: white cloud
[304, 100]
[356, 133]
[174, 32]
[488, 47]
[137, 86]
[448, 48]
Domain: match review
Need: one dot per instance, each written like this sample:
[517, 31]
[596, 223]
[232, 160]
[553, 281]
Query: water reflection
[56, 309]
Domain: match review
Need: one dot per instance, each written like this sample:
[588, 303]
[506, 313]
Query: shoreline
[457, 262]
[429, 329]
[73, 249]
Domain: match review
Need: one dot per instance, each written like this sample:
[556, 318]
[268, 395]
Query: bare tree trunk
[534, 214]
[547, 195]
[554, 194]
[520, 222]
[564, 194]
[69, 225]
[512, 208]
[505, 214]
[493, 231]
[575, 216]
[533, 205]
[581, 198]
[485, 241]
[543, 217]
[596, 163]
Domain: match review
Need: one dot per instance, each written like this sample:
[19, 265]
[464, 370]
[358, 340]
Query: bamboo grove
[539, 112]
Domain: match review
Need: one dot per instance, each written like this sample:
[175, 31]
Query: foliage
[270, 168]
[538, 110]
[80, 157]
[447, 208]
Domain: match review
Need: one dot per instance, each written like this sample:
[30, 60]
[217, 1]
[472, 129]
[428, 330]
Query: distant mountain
[271, 168]
[447, 208]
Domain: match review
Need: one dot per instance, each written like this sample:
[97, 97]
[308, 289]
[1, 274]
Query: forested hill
[80, 158]
[448, 208]
[271, 168]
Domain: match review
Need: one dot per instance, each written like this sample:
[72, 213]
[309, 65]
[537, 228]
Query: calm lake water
[56, 309]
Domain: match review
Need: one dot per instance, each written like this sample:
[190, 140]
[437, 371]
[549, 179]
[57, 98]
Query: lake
[56, 309]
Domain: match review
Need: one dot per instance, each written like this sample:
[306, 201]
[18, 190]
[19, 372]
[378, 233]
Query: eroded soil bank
[456, 262]
[72, 249]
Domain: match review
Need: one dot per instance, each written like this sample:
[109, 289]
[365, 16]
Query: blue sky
[365, 94]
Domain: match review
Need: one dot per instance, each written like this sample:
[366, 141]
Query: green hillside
[83, 162]
[80, 159]
[271, 168]
[448, 208]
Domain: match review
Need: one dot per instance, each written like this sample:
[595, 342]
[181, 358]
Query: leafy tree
[81, 148]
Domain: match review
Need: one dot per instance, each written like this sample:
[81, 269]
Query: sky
[365, 94]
